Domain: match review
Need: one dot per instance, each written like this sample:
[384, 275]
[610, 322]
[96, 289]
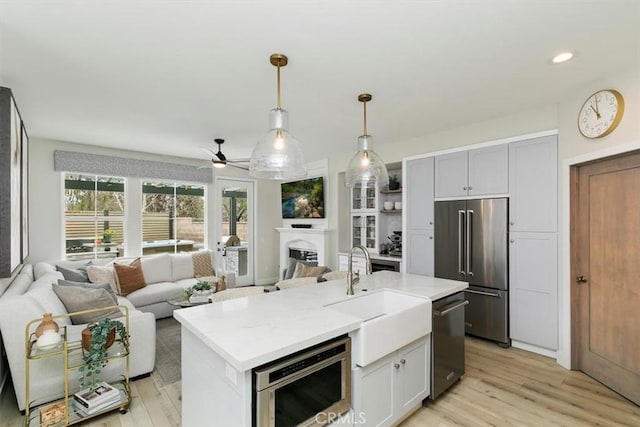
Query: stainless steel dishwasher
[447, 346]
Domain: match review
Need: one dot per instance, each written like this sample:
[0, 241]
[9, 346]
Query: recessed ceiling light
[562, 57]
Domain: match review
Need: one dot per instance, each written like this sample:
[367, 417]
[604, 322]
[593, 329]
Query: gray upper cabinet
[479, 172]
[451, 175]
[418, 250]
[533, 185]
[419, 194]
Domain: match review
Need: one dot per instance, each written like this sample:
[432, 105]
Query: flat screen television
[303, 199]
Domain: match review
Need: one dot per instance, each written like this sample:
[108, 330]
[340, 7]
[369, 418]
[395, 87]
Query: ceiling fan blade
[246, 160]
[233, 165]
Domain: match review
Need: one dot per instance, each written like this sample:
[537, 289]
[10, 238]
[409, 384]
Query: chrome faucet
[354, 278]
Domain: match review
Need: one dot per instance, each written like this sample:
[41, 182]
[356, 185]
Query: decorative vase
[48, 340]
[86, 338]
[47, 324]
[394, 185]
[106, 239]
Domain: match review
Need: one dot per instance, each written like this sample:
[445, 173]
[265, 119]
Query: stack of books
[87, 402]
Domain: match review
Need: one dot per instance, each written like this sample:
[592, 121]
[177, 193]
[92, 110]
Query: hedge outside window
[94, 216]
[173, 217]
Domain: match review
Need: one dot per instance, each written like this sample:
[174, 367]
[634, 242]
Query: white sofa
[26, 300]
[166, 277]
[30, 295]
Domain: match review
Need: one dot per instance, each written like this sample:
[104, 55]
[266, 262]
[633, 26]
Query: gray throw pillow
[291, 267]
[77, 299]
[104, 286]
[75, 274]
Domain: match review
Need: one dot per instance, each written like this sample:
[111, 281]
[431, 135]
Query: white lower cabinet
[387, 389]
[420, 253]
[533, 288]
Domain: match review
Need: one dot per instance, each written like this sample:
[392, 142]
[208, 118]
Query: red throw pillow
[130, 277]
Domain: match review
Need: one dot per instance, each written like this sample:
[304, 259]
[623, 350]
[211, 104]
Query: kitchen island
[223, 342]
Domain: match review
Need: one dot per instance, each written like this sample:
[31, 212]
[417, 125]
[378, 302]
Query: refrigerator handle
[460, 242]
[469, 241]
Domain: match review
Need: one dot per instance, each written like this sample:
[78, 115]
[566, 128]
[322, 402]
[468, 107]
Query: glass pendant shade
[366, 168]
[278, 155]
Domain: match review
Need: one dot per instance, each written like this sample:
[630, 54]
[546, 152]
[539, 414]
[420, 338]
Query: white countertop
[250, 331]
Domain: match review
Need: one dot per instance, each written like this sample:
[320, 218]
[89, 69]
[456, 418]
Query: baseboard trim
[534, 349]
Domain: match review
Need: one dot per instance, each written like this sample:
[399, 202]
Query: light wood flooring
[501, 388]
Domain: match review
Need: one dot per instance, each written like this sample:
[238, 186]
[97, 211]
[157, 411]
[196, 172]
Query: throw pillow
[202, 264]
[157, 268]
[303, 270]
[74, 274]
[130, 277]
[291, 267]
[85, 285]
[76, 299]
[103, 275]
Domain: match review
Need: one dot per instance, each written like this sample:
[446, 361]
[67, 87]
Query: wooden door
[605, 266]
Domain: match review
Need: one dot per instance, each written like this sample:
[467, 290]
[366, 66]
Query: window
[234, 213]
[94, 216]
[172, 217]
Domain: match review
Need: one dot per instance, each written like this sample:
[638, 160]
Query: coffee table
[182, 302]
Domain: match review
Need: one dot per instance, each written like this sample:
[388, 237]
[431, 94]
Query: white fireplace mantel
[316, 239]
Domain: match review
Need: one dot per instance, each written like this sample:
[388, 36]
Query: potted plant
[394, 184]
[200, 288]
[106, 235]
[102, 335]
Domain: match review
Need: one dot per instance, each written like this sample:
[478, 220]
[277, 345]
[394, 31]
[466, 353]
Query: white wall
[46, 220]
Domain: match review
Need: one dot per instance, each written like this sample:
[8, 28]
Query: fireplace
[303, 254]
[305, 244]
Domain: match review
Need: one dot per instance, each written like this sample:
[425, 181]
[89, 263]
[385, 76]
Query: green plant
[108, 233]
[393, 179]
[95, 358]
[199, 286]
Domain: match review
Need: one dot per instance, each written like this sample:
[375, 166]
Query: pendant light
[278, 155]
[366, 168]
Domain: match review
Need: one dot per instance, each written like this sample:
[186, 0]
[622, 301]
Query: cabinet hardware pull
[512, 241]
[511, 223]
[469, 241]
[581, 279]
[396, 365]
[403, 361]
[444, 312]
[460, 241]
[488, 294]
[469, 188]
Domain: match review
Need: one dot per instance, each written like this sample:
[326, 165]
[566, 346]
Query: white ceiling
[169, 76]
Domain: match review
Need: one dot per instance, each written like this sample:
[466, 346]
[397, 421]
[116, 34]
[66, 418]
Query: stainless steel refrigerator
[471, 245]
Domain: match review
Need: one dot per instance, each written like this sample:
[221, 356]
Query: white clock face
[600, 114]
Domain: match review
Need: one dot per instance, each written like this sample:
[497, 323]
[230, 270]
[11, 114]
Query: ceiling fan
[219, 160]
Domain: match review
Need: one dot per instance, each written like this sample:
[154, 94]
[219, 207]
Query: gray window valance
[96, 164]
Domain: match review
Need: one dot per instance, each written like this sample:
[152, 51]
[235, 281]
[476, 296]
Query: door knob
[581, 279]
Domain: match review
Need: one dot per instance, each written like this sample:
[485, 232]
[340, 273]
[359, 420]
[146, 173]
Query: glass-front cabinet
[363, 199]
[364, 218]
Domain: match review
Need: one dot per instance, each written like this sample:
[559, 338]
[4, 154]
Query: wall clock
[601, 113]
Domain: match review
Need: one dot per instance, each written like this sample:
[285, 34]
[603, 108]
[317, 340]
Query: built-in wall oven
[308, 388]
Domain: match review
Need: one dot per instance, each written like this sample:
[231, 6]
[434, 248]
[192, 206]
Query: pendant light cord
[278, 98]
[365, 118]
